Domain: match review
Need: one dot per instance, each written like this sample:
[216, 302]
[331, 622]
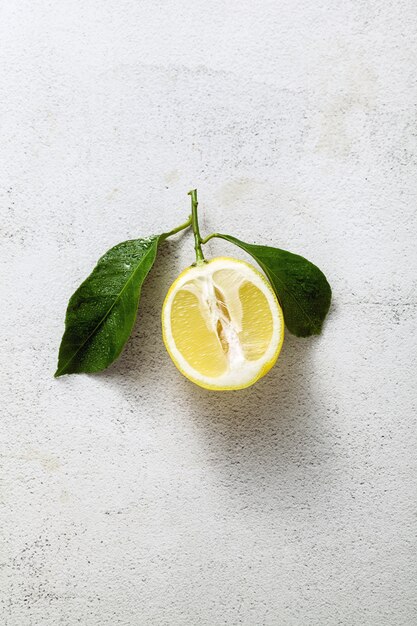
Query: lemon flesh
[222, 324]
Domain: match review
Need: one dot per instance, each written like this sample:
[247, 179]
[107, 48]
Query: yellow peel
[222, 324]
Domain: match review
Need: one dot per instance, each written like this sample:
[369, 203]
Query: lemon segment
[257, 322]
[196, 341]
[222, 324]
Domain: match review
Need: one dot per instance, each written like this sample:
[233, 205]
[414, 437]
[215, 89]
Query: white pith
[240, 371]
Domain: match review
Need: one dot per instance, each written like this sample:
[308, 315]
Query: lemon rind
[266, 367]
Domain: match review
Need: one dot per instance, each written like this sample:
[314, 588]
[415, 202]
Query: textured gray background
[133, 497]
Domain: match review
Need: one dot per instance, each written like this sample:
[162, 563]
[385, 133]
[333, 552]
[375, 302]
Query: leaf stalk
[176, 230]
[206, 239]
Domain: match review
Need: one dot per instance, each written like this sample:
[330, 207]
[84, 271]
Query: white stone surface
[133, 497]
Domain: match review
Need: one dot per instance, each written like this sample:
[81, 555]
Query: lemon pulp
[222, 324]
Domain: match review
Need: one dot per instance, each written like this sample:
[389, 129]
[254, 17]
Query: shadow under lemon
[260, 446]
[278, 406]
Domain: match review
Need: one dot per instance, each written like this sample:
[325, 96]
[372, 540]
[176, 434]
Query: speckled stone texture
[133, 497]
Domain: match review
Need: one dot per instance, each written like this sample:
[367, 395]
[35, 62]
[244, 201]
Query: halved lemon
[222, 324]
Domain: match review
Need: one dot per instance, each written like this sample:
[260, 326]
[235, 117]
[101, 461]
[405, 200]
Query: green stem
[206, 239]
[194, 217]
[178, 229]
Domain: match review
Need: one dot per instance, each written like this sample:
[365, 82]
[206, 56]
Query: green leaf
[300, 286]
[101, 313]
